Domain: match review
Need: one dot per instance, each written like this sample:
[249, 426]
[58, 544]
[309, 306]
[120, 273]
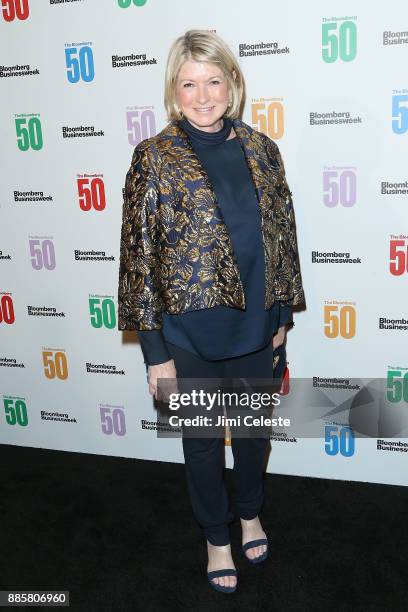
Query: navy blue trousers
[204, 457]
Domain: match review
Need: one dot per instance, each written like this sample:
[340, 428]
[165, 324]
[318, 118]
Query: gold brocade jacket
[175, 251]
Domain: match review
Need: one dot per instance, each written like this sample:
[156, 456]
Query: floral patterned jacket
[175, 250]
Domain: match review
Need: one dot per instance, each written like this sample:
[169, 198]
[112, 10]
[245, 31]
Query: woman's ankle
[219, 545]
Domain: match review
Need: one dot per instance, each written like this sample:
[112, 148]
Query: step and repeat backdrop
[81, 85]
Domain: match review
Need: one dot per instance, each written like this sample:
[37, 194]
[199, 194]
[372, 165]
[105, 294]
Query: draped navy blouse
[222, 332]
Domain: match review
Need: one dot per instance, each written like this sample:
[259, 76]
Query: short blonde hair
[203, 46]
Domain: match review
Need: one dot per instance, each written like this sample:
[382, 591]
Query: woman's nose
[202, 94]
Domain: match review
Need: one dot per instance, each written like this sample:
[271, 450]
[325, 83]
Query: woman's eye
[215, 82]
[187, 84]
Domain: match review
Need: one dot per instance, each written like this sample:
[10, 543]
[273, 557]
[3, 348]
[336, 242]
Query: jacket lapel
[244, 137]
[264, 171]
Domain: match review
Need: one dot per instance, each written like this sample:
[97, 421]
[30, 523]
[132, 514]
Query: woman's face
[202, 94]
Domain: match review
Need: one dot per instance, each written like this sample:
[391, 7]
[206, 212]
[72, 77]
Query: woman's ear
[234, 75]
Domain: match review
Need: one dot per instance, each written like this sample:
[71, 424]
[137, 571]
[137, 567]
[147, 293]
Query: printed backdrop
[81, 84]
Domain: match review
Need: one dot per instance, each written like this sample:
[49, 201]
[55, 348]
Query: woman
[209, 270]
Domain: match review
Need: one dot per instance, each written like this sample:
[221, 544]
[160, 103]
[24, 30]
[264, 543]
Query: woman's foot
[252, 530]
[219, 557]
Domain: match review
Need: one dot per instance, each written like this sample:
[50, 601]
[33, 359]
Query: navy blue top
[222, 332]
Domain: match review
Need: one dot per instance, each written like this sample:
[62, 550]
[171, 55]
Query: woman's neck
[208, 138]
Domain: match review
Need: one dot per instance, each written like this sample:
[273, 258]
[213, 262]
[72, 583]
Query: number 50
[341, 321]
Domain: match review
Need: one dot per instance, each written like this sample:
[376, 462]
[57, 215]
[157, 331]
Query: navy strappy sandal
[254, 543]
[218, 574]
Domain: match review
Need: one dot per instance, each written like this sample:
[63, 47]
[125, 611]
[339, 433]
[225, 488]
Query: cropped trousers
[204, 456]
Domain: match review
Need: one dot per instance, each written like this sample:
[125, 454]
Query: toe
[256, 551]
[231, 581]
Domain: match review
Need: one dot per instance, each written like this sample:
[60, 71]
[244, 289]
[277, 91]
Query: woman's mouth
[204, 110]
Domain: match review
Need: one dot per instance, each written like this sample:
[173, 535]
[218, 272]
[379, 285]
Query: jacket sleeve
[154, 347]
[139, 293]
[290, 226]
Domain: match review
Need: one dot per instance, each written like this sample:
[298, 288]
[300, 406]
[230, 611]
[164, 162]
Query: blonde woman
[209, 271]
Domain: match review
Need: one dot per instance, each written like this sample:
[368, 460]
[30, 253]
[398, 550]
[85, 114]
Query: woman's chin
[205, 120]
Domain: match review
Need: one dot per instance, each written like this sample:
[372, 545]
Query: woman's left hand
[279, 337]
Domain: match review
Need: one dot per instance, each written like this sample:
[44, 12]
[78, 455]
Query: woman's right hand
[162, 370]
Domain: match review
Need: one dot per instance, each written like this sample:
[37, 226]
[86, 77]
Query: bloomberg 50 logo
[79, 61]
[400, 111]
[268, 116]
[339, 186]
[339, 438]
[398, 258]
[29, 131]
[339, 39]
[15, 9]
[141, 123]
